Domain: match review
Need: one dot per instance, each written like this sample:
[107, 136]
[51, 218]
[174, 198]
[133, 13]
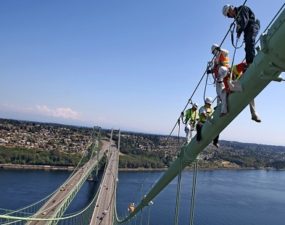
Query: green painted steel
[266, 67]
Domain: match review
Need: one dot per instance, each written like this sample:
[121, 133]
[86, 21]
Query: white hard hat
[226, 9]
[195, 105]
[214, 47]
[208, 100]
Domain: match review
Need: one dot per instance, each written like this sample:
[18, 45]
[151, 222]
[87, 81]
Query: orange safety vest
[222, 59]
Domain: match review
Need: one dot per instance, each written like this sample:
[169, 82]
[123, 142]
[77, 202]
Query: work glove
[238, 35]
[209, 71]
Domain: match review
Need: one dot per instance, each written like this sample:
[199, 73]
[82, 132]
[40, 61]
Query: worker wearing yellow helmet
[205, 113]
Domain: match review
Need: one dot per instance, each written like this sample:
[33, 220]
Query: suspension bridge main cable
[273, 19]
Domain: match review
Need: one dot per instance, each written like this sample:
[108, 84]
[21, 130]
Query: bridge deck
[69, 188]
[104, 210]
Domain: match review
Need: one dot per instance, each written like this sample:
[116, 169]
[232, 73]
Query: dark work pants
[216, 140]
[199, 130]
[199, 134]
[249, 39]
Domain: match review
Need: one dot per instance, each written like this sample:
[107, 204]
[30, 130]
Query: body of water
[223, 197]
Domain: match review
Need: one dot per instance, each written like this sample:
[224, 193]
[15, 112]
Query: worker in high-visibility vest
[131, 207]
[190, 119]
[220, 69]
[205, 113]
[237, 72]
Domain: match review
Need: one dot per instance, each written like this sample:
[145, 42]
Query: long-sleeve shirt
[245, 18]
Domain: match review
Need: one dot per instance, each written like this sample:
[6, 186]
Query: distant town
[43, 136]
[35, 143]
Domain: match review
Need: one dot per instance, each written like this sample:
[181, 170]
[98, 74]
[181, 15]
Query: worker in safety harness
[220, 69]
[190, 118]
[131, 207]
[205, 113]
[246, 23]
[237, 72]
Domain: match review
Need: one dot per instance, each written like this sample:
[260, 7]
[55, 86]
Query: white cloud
[42, 110]
[62, 112]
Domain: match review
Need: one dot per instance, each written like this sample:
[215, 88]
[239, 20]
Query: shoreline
[71, 168]
[35, 167]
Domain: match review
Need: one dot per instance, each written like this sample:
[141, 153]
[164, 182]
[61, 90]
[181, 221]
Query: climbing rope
[194, 182]
[206, 84]
[234, 55]
[232, 38]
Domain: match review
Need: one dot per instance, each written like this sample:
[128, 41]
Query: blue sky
[123, 64]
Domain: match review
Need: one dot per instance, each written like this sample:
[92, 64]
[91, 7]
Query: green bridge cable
[273, 19]
[177, 205]
[194, 182]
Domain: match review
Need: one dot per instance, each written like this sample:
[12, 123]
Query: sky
[123, 64]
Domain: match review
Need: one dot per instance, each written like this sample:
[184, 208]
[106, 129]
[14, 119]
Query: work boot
[216, 145]
[223, 114]
[256, 118]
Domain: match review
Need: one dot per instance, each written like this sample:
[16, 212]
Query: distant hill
[40, 143]
[152, 151]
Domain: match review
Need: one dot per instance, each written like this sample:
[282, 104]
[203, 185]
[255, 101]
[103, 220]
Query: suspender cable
[178, 184]
[234, 55]
[178, 194]
[194, 182]
[142, 216]
[148, 217]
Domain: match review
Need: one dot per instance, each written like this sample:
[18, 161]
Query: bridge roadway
[104, 209]
[55, 204]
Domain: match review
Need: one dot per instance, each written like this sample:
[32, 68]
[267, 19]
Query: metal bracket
[277, 66]
[264, 43]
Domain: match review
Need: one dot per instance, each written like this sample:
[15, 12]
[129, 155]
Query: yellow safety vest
[209, 112]
[191, 115]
